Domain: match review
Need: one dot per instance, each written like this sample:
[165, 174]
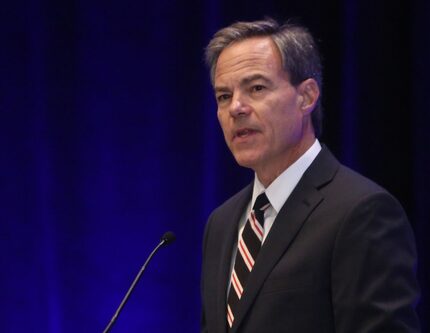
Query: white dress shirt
[277, 193]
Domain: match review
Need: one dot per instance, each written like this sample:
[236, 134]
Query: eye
[258, 87]
[222, 98]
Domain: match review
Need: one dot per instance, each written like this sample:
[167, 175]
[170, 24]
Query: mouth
[243, 133]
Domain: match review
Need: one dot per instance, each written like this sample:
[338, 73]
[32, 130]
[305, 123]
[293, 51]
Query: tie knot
[261, 203]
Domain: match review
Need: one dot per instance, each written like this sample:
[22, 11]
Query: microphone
[168, 238]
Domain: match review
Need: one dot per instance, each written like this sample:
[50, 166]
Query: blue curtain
[109, 138]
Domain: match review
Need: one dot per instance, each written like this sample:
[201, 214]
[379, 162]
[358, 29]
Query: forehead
[257, 54]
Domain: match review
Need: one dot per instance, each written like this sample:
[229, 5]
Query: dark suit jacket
[339, 258]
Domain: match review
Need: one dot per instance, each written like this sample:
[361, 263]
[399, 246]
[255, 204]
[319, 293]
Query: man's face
[260, 112]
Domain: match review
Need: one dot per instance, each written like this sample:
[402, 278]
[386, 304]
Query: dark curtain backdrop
[109, 138]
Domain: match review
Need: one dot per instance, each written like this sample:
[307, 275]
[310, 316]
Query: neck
[270, 171]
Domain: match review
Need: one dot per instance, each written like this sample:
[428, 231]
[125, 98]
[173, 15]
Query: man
[310, 245]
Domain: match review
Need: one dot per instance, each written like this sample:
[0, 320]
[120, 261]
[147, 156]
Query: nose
[239, 107]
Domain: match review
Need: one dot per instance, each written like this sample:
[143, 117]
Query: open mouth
[244, 132]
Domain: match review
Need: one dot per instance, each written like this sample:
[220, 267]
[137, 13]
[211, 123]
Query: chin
[246, 161]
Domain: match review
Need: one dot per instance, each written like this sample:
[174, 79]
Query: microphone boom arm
[167, 238]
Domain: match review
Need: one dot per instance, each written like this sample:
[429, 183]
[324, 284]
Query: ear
[310, 93]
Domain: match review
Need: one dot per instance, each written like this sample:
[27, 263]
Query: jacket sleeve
[203, 323]
[374, 288]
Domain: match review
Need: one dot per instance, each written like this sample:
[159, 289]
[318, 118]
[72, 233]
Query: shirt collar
[280, 189]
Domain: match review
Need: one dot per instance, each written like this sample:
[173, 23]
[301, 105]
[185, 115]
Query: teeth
[243, 133]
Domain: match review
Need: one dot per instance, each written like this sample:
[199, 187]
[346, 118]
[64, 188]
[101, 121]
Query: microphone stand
[167, 238]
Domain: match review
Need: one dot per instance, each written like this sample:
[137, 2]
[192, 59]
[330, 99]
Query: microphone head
[168, 238]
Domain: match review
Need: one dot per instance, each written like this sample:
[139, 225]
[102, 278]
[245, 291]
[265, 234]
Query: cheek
[222, 119]
[283, 129]
[291, 130]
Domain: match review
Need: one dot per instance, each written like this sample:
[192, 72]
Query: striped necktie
[247, 250]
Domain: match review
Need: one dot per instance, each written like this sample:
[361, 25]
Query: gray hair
[298, 49]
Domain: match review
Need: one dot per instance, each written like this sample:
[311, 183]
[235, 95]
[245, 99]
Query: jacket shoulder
[235, 202]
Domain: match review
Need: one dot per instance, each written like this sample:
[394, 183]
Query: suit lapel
[304, 199]
[231, 219]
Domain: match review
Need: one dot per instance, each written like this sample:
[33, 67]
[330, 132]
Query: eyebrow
[245, 81]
